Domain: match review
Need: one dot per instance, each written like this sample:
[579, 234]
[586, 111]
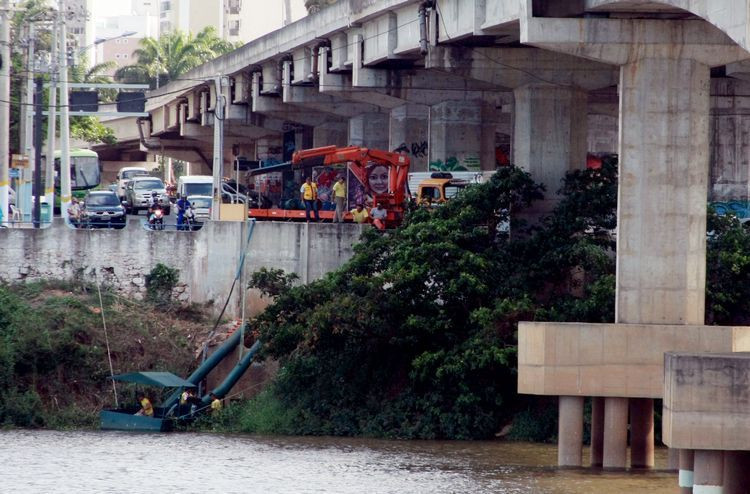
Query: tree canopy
[163, 59]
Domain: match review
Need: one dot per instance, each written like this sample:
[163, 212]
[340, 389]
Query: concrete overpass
[663, 82]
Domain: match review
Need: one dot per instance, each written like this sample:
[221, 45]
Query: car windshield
[102, 200]
[133, 173]
[148, 184]
[201, 202]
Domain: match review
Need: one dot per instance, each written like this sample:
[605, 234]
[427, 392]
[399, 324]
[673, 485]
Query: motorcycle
[156, 220]
[189, 219]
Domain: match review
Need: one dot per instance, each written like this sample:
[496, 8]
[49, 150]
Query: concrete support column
[641, 433]
[550, 133]
[409, 133]
[615, 433]
[570, 431]
[330, 134]
[661, 217]
[685, 476]
[462, 136]
[369, 130]
[736, 472]
[269, 150]
[709, 472]
[597, 431]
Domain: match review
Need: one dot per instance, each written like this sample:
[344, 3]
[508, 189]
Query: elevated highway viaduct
[663, 82]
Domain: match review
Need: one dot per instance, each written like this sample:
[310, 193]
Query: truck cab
[439, 188]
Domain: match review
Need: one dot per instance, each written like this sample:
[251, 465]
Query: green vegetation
[415, 336]
[160, 282]
[53, 355]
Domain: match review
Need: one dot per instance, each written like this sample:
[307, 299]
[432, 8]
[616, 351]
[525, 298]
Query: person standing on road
[182, 206]
[339, 194]
[309, 192]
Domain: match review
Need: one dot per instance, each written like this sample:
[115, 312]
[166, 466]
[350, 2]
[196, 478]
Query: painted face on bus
[377, 178]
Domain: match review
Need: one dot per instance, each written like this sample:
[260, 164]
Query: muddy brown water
[114, 462]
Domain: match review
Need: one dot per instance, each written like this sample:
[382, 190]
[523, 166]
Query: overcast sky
[265, 14]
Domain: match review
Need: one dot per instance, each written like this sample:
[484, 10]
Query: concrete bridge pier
[686, 473]
[550, 134]
[409, 132]
[369, 130]
[615, 450]
[641, 433]
[709, 472]
[570, 431]
[460, 136]
[597, 431]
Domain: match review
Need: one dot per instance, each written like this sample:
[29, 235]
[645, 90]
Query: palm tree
[168, 57]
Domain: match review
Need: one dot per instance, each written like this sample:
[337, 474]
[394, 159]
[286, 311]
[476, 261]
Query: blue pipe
[206, 367]
[223, 389]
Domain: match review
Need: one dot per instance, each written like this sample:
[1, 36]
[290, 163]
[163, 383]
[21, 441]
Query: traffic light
[131, 102]
[84, 101]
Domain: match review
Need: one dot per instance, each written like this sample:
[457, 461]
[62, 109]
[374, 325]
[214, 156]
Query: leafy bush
[415, 336]
[160, 282]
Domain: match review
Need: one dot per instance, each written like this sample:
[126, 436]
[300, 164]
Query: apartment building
[194, 15]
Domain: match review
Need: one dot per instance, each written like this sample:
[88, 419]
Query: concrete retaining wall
[207, 259]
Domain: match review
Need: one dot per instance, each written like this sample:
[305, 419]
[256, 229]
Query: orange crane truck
[372, 176]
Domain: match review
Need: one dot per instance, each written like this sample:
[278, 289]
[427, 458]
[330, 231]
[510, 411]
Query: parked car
[102, 209]
[138, 194]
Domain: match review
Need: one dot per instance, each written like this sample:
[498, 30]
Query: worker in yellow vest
[309, 192]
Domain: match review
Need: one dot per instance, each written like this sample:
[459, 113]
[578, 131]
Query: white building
[192, 16]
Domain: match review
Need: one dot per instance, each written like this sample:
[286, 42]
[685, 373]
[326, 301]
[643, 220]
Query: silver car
[138, 193]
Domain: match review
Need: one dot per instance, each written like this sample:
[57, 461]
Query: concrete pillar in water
[570, 431]
[685, 475]
[597, 431]
[409, 131]
[641, 433]
[550, 134]
[615, 454]
[462, 136]
[736, 472]
[369, 130]
[709, 472]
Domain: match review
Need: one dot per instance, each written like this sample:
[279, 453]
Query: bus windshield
[84, 172]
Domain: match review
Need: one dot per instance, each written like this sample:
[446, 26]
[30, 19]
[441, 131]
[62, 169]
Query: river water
[112, 462]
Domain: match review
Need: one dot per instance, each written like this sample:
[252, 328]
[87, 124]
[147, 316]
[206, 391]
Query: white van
[202, 185]
[195, 185]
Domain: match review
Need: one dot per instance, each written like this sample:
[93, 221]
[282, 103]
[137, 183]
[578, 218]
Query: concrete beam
[275, 107]
[391, 88]
[622, 41]
[625, 360]
[514, 67]
[705, 401]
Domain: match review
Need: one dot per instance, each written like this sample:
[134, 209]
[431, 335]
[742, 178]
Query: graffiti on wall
[452, 164]
[741, 209]
[416, 149]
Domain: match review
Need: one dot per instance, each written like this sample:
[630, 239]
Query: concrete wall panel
[207, 259]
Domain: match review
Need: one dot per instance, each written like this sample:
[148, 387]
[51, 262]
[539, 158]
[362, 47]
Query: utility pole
[65, 193]
[38, 104]
[23, 196]
[4, 105]
[218, 163]
[49, 179]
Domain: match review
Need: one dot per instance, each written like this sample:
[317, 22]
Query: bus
[85, 173]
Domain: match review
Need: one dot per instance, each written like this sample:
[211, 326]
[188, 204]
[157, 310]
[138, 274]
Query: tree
[168, 57]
